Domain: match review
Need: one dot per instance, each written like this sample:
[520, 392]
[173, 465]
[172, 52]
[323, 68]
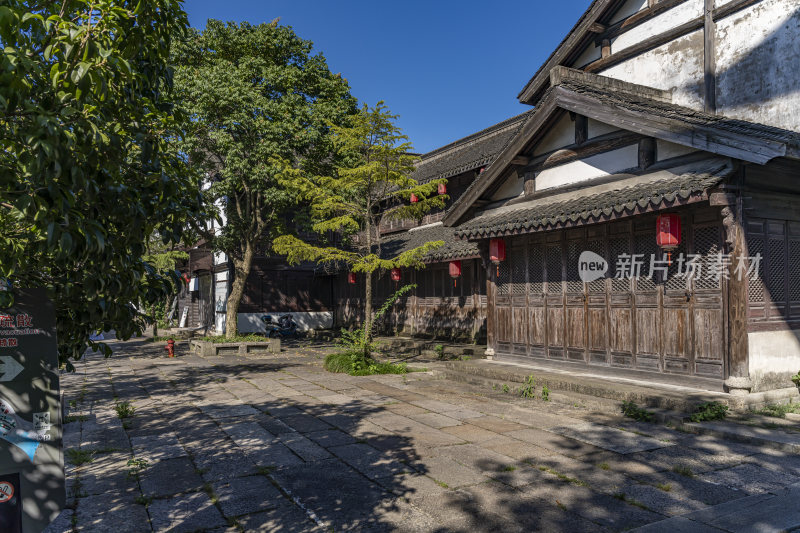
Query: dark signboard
[31, 460]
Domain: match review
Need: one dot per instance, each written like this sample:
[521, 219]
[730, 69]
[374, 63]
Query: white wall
[774, 356]
[561, 134]
[588, 168]
[668, 150]
[514, 186]
[676, 66]
[758, 64]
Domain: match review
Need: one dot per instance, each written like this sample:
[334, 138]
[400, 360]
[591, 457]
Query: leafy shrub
[779, 410]
[505, 388]
[124, 409]
[439, 349]
[709, 411]
[631, 410]
[528, 390]
[217, 339]
[546, 393]
[796, 378]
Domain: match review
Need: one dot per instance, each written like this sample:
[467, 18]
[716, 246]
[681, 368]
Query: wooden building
[681, 107]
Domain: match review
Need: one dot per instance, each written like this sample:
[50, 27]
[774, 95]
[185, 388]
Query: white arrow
[10, 368]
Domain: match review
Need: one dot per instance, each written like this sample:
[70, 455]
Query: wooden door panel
[708, 334]
[647, 331]
[576, 327]
[504, 324]
[676, 332]
[555, 331]
[598, 329]
[536, 326]
[519, 332]
[621, 330]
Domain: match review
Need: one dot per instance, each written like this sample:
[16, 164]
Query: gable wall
[756, 51]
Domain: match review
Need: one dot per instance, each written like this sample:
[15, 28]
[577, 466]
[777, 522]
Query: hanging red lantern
[455, 271]
[668, 233]
[481, 170]
[497, 252]
[351, 278]
[442, 188]
[414, 198]
[396, 275]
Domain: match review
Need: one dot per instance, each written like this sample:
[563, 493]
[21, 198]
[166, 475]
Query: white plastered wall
[588, 168]
[774, 357]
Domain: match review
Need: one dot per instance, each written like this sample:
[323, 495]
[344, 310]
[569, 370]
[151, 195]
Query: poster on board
[32, 491]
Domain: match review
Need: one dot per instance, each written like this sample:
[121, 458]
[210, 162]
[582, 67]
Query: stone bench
[211, 349]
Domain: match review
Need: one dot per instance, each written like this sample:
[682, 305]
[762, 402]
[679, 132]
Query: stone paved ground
[278, 444]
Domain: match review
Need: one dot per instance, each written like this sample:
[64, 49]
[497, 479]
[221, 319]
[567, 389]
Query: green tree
[372, 183]
[88, 169]
[255, 93]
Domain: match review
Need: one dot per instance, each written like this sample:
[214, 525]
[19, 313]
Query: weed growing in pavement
[79, 457]
[135, 467]
[439, 349]
[75, 418]
[666, 487]
[73, 403]
[124, 410]
[494, 386]
[631, 410]
[442, 484]
[266, 470]
[509, 468]
[545, 393]
[709, 411]
[563, 477]
[604, 466]
[505, 389]
[143, 500]
[528, 389]
[683, 470]
[561, 505]
[465, 357]
[627, 499]
[779, 410]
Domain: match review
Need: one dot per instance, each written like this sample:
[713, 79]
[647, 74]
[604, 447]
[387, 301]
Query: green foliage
[135, 467]
[546, 393]
[371, 183]
[124, 410]
[439, 350]
[356, 357]
[528, 389]
[709, 411]
[259, 98]
[780, 410]
[631, 410]
[796, 379]
[683, 470]
[505, 389]
[89, 166]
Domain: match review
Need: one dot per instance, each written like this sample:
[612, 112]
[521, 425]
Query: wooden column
[709, 58]
[491, 278]
[737, 381]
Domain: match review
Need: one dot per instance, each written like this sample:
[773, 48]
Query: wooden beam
[639, 17]
[738, 146]
[521, 160]
[647, 152]
[709, 58]
[581, 129]
[605, 48]
[596, 27]
[610, 141]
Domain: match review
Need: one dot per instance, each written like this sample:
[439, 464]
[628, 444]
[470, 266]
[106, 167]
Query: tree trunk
[240, 273]
[368, 307]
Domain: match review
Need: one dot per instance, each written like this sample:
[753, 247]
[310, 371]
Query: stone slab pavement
[276, 443]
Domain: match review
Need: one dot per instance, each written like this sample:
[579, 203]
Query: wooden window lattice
[535, 269]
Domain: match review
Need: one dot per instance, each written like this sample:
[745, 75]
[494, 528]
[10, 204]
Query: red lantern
[396, 275]
[455, 271]
[668, 233]
[481, 170]
[414, 198]
[351, 278]
[497, 252]
[442, 188]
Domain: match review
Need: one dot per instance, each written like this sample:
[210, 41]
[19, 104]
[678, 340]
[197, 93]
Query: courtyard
[276, 443]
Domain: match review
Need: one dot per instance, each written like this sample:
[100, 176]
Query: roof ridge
[481, 133]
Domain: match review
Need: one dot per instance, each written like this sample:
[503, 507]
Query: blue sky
[447, 68]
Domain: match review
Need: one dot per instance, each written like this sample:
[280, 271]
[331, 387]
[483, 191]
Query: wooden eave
[707, 138]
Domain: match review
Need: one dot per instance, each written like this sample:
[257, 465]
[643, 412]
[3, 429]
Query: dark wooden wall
[664, 324]
[438, 308]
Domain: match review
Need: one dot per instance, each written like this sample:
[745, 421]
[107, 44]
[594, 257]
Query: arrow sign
[9, 367]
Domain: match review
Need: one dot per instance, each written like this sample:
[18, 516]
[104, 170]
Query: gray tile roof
[580, 207]
[473, 151]
[691, 117]
[453, 248]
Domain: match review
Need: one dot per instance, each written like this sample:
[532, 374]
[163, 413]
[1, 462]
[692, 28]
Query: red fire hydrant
[170, 348]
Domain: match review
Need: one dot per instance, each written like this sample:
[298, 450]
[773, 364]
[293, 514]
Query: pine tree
[371, 183]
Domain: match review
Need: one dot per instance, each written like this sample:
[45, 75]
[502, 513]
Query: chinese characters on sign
[690, 266]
